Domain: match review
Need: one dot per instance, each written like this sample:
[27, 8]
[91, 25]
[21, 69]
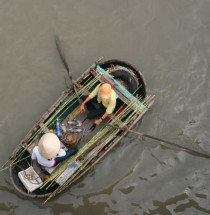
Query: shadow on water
[98, 208]
[9, 208]
[4, 188]
[177, 204]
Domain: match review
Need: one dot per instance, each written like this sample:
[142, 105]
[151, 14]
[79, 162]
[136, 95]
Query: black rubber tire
[127, 78]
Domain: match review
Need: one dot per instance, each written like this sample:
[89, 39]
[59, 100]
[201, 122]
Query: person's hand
[82, 108]
[98, 121]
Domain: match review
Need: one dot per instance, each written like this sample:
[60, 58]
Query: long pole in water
[161, 140]
[63, 59]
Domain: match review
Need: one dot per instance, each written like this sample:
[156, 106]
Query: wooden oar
[63, 59]
[161, 140]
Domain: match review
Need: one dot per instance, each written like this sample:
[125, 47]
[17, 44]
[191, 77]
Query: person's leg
[93, 112]
[69, 153]
[97, 113]
[89, 105]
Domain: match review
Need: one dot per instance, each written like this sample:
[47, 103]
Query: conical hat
[49, 145]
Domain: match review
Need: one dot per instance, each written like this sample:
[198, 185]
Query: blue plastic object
[58, 129]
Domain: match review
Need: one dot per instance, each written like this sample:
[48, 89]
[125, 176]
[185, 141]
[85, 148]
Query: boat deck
[87, 127]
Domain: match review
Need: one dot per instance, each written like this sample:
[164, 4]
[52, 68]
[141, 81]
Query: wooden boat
[95, 143]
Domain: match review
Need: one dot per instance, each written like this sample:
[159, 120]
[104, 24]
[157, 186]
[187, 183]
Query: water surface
[169, 41]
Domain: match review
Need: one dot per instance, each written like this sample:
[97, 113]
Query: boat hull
[107, 64]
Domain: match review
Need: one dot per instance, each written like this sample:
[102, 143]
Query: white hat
[49, 145]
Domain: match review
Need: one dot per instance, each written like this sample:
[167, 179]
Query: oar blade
[60, 51]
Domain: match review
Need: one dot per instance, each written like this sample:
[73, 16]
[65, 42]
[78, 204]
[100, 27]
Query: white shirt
[43, 161]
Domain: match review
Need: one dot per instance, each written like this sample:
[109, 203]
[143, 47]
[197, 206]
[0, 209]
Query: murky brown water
[169, 41]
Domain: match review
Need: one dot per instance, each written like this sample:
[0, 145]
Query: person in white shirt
[49, 152]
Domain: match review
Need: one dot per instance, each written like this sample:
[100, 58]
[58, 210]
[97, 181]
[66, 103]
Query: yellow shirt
[109, 103]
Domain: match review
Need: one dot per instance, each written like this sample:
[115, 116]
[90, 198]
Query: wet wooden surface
[87, 124]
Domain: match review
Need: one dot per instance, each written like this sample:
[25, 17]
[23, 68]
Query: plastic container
[58, 129]
[75, 130]
[63, 128]
[70, 139]
[76, 123]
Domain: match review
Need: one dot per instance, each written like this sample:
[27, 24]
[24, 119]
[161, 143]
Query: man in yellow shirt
[104, 95]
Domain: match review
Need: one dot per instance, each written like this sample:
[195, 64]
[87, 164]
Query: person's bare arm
[98, 121]
[82, 107]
